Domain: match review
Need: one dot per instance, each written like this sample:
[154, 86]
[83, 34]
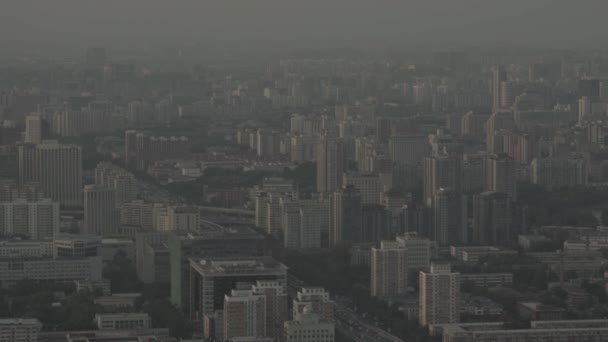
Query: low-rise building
[55, 270]
[309, 328]
[549, 331]
[486, 280]
[123, 321]
[472, 254]
[19, 329]
[535, 311]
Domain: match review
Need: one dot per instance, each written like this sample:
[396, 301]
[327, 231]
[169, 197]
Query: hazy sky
[547, 23]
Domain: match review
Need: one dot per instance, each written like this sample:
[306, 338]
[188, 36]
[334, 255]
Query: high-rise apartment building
[449, 217]
[100, 213]
[501, 175]
[555, 173]
[441, 171]
[371, 187]
[56, 167]
[492, 217]
[345, 215]
[439, 296]
[330, 164]
[418, 251]
[499, 75]
[389, 270]
[119, 179]
[33, 129]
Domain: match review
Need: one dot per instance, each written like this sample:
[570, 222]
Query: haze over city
[303, 171]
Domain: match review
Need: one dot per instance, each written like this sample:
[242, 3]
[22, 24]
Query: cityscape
[286, 182]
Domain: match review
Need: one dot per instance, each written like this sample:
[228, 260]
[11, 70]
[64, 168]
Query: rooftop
[235, 266]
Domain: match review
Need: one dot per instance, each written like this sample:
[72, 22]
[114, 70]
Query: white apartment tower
[439, 296]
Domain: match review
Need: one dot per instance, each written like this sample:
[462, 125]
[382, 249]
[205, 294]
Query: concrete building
[487, 280]
[37, 220]
[152, 257]
[317, 300]
[33, 129]
[330, 164]
[492, 218]
[100, 213]
[77, 246]
[418, 251]
[555, 173]
[267, 143]
[473, 254]
[57, 168]
[345, 216]
[20, 329]
[441, 172]
[309, 328]
[244, 314]
[211, 278]
[439, 296]
[120, 180]
[389, 270]
[123, 321]
[449, 217]
[276, 303]
[137, 215]
[26, 249]
[234, 242]
[183, 219]
[501, 175]
[550, 331]
[256, 312]
[370, 187]
[58, 270]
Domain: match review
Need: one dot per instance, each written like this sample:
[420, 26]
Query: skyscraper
[330, 164]
[439, 301]
[492, 218]
[57, 168]
[498, 76]
[100, 213]
[449, 217]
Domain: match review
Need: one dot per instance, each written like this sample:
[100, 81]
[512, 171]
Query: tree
[166, 315]
[79, 311]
